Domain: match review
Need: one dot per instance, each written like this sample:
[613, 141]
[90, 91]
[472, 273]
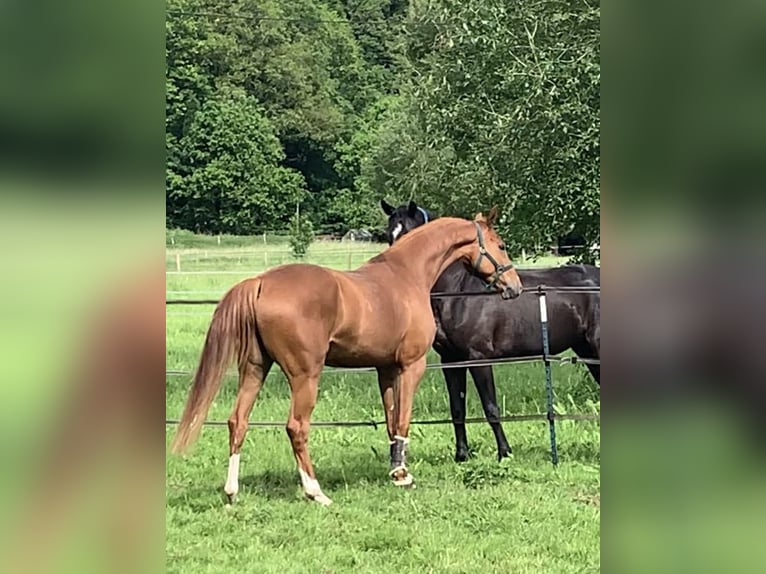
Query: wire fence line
[377, 423]
[258, 272]
[459, 364]
[455, 365]
[337, 248]
[438, 294]
[572, 289]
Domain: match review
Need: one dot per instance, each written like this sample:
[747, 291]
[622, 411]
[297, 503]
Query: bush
[301, 235]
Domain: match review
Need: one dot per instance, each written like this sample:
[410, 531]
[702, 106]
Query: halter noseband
[499, 269]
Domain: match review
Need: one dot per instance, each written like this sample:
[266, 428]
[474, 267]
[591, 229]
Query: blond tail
[231, 333]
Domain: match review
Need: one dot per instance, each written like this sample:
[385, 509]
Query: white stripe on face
[397, 230]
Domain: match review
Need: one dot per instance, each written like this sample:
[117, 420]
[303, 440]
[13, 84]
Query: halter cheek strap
[499, 269]
[425, 215]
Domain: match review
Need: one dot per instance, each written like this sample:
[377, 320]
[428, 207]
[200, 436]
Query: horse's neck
[457, 278]
[426, 256]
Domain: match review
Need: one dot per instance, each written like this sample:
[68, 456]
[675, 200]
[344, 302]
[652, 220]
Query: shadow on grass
[352, 472]
[360, 468]
[199, 499]
[587, 453]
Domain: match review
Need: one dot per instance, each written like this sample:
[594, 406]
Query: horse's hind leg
[593, 338]
[304, 395]
[251, 377]
[590, 348]
[485, 384]
[455, 379]
[595, 371]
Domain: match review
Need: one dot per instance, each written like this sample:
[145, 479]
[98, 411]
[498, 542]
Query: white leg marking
[406, 480]
[397, 230]
[312, 489]
[232, 479]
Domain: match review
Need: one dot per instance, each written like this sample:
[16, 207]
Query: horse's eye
[501, 247]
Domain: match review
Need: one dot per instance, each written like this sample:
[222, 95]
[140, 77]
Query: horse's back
[577, 275]
[311, 288]
[349, 317]
[298, 303]
[483, 327]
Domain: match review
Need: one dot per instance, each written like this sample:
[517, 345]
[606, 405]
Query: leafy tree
[334, 103]
[503, 108]
[301, 61]
[227, 176]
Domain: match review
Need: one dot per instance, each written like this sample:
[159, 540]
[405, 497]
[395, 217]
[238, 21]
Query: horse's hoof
[320, 498]
[504, 454]
[407, 484]
[405, 480]
[461, 456]
[231, 498]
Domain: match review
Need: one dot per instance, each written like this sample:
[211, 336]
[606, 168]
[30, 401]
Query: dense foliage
[333, 104]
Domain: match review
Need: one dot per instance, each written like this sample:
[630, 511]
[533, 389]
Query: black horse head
[403, 219]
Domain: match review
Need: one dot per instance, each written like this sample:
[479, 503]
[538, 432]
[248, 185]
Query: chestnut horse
[303, 317]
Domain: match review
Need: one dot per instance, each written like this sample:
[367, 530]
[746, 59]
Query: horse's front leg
[387, 379]
[409, 379]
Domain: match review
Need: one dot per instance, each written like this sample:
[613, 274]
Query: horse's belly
[357, 355]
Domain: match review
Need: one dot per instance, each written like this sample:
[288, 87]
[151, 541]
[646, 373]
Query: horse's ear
[479, 217]
[412, 209]
[492, 216]
[387, 209]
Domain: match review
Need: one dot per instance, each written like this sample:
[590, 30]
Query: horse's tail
[231, 333]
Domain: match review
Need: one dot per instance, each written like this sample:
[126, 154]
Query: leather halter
[499, 269]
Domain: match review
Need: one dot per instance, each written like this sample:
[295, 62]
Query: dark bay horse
[485, 327]
[304, 316]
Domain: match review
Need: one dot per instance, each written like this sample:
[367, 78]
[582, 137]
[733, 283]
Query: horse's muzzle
[511, 289]
[509, 292]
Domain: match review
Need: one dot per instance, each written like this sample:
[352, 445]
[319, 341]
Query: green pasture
[521, 515]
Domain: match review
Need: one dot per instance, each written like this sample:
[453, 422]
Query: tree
[333, 103]
[503, 108]
[226, 175]
[315, 66]
[301, 234]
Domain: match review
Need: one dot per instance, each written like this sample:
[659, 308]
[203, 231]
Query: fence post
[548, 378]
[178, 261]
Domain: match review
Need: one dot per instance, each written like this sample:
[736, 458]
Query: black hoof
[504, 453]
[461, 456]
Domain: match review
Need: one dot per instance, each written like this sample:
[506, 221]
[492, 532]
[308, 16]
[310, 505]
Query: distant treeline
[334, 104]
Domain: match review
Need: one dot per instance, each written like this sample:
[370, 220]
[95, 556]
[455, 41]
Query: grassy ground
[481, 516]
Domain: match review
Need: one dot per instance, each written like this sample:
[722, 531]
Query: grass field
[518, 516]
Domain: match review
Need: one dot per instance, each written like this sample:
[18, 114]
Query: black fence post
[548, 377]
